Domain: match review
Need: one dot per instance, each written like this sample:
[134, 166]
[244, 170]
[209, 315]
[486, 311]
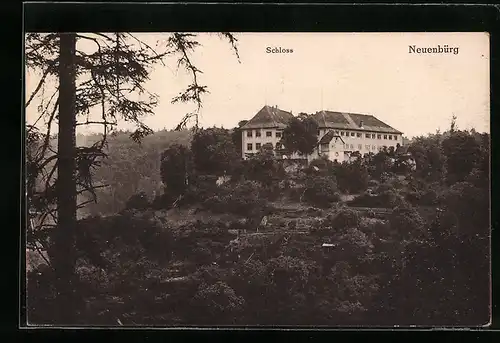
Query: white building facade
[340, 134]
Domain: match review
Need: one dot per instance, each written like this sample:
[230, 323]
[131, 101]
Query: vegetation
[189, 234]
[196, 262]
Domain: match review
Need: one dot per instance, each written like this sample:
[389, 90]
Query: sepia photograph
[228, 179]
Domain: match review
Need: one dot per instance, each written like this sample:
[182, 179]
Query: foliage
[301, 135]
[242, 199]
[176, 168]
[429, 157]
[352, 177]
[343, 220]
[321, 191]
[407, 222]
[214, 151]
[462, 153]
[263, 167]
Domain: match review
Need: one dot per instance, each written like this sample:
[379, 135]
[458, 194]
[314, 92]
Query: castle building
[340, 134]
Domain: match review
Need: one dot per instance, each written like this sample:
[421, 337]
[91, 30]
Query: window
[341, 133]
[360, 146]
[257, 133]
[257, 146]
[373, 136]
[358, 135]
[249, 134]
[352, 146]
[278, 134]
[249, 146]
[367, 147]
[395, 137]
[379, 136]
[385, 136]
[390, 137]
[374, 147]
[269, 134]
[352, 134]
[368, 135]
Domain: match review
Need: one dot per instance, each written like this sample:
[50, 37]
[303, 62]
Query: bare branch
[38, 87]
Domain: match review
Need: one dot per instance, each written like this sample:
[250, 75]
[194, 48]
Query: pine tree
[107, 78]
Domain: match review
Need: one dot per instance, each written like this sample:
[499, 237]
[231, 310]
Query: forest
[187, 233]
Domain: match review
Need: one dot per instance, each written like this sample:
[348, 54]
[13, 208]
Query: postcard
[182, 180]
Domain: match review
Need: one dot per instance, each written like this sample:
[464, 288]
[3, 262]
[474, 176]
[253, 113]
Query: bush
[321, 192]
[407, 222]
[352, 177]
[240, 199]
[386, 199]
[344, 219]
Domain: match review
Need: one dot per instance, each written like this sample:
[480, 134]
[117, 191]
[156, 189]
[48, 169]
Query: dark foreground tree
[104, 77]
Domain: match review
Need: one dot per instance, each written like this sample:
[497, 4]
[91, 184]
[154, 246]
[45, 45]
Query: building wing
[352, 121]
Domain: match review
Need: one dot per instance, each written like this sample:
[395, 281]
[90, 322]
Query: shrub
[240, 199]
[321, 191]
[408, 222]
[352, 177]
[344, 219]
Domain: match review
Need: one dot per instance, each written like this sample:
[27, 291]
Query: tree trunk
[64, 261]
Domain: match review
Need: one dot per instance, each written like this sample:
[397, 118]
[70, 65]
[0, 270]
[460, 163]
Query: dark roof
[269, 117]
[327, 137]
[352, 121]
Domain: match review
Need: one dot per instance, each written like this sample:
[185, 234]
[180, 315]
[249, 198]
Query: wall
[263, 139]
[364, 141]
[367, 144]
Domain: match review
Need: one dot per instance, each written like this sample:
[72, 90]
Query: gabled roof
[352, 121]
[327, 137]
[269, 117]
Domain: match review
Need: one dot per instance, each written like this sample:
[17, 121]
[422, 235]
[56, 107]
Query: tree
[213, 151]
[301, 135]
[107, 77]
[429, 158]
[176, 169]
[352, 177]
[462, 153]
[264, 167]
[66, 187]
[321, 191]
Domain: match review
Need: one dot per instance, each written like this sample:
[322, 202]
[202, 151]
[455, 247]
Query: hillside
[357, 243]
[130, 167]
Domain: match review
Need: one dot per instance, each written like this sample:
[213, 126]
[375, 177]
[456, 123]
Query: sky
[369, 73]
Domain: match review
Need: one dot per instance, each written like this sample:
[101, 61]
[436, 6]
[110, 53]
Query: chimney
[361, 124]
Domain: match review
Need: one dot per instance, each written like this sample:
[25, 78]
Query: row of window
[360, 147]
[342, 133]
[259, 145]
[268, 133]
[367, 135]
